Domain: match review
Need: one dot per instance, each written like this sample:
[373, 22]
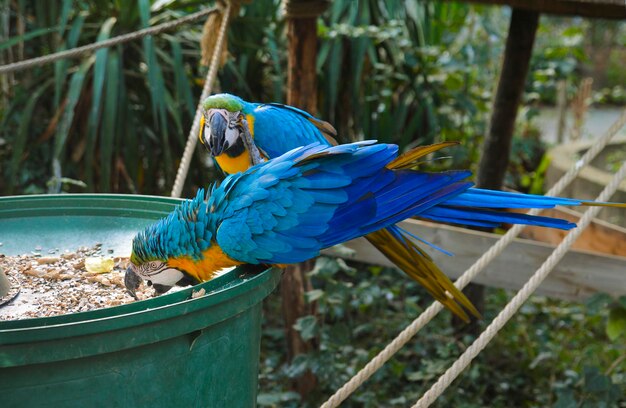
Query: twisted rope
[192, 138]
[511, 308]
[411, 330]
[78, 51]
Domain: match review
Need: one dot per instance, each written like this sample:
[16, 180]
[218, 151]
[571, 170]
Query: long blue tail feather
[478, 197]
[491, 219]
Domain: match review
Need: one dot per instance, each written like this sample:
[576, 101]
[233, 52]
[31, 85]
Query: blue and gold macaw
[287, 209]
[239, 134]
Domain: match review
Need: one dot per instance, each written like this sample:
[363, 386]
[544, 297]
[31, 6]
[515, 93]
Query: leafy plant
[408, 72]
[553, 353]
[116, 120]
[559, 54]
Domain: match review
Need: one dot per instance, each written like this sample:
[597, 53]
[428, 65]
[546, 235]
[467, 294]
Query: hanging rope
[405, 335]
[511, 308]
[192, 139]
[78, 51]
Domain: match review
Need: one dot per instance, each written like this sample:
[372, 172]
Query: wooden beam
[579, 275]
[609, 9]
[600, 236]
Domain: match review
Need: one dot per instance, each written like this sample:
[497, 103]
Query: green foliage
[571, 49]
[113, 119]
[528, 162]
[558, 53]
[553, 353]
[408, 73]
[616, 324]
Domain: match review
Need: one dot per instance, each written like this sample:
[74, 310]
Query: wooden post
[302, 93]
[497, 146]
[580, 104]
[301, 62]
[293, 285]
[561, 109]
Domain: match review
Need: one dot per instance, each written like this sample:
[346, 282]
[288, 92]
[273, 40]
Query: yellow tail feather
[420, 267]
[615, 205]
[409, 159]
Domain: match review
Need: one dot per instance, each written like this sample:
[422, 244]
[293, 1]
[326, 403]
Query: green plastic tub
[168, 351]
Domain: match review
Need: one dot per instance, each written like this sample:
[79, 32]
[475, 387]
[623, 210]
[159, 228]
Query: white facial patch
[167, 277]
[233, 131]
[158, 272]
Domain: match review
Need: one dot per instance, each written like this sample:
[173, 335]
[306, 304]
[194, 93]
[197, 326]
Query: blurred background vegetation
[402, 72]
[407, 72]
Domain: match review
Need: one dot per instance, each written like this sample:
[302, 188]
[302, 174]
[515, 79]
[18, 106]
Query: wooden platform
[598, 264]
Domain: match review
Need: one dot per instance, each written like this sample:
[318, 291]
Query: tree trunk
[497, 146]
[301, 60]
[293, 286]
[302, 93]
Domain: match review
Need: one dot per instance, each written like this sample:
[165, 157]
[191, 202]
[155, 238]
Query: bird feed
[61, 283]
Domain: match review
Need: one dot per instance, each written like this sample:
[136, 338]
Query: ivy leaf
[313, 295]
[273, 399]
[299, 365]
[307, 327]
[598, 302]
[565, 399]
[595, 382]
[616, 325]
[325, 267]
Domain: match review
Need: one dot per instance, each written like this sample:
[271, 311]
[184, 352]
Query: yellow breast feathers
[204, 269]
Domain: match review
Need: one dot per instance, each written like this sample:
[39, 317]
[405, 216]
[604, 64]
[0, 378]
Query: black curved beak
[217, 134]
[132, 282]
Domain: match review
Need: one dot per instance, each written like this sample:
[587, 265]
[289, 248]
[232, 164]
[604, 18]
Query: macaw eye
[150, 267]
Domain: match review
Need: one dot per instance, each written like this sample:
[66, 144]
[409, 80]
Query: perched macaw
[239, 134]
[287, 209]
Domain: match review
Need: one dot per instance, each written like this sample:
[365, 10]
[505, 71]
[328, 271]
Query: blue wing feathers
[295, 128]
[291, 207]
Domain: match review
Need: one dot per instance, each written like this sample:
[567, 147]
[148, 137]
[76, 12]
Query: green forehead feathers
[229, 102]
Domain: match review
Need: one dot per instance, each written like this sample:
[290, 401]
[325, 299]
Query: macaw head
[221, 125]
[170, 252]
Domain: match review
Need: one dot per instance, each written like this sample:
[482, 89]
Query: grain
[57, 285]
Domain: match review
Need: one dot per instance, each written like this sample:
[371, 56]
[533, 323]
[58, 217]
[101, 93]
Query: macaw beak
[216, 139]
[132, 282]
